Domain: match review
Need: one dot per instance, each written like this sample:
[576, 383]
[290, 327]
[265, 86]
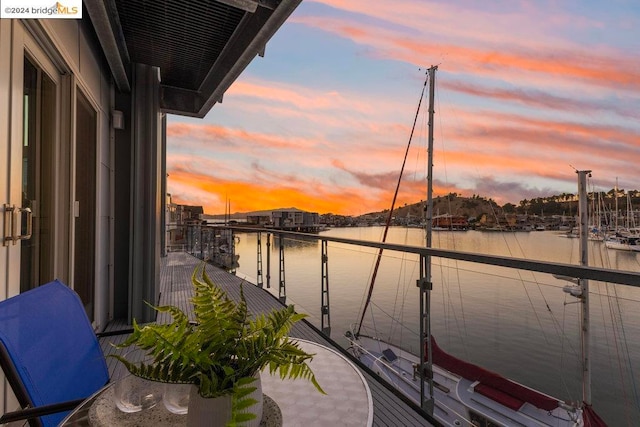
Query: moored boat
[623, 243]
[464, 393]
[454, 391]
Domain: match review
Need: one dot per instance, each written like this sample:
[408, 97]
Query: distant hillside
[470, 207]
[562, 204]
[473, 207]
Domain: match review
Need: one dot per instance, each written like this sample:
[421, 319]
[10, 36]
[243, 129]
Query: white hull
[457, 403]
[622, 243]
[622, 246]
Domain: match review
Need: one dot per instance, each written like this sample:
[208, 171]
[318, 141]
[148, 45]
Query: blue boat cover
[53, 346]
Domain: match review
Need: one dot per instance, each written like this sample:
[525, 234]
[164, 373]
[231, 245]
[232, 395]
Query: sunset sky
[526, 91]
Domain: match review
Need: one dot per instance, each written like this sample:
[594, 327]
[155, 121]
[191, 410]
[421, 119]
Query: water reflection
[294, 243]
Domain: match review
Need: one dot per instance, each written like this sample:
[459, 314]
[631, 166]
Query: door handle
[8, 225]
[29, 220]
[11, 221]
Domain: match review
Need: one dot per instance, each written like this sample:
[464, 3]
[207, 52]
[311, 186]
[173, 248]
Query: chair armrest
[112, 333]
[28, 413]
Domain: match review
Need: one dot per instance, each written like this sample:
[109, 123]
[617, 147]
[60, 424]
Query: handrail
[621, 277]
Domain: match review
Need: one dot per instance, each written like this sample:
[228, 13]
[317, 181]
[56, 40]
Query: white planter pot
[208, 412]
[257, 407]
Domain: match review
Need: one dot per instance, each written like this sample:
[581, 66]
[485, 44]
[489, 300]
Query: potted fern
[222, 353]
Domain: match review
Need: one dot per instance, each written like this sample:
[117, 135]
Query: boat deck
[389, 408]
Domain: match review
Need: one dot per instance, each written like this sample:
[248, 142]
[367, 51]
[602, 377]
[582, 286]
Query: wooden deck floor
[390, 409]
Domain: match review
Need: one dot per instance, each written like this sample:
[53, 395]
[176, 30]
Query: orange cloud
[214, 192]
[382, 144]
[531, 145]
[481, 145]
[338, 148]
[251, 196]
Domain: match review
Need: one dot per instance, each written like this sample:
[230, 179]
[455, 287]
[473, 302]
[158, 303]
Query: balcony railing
[216, 244]
[478, 301]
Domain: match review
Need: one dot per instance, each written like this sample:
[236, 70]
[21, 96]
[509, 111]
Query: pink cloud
[475, 54]
[322, 148]
[537, 98]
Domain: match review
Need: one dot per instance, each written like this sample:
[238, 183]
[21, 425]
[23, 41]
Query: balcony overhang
[200, 47]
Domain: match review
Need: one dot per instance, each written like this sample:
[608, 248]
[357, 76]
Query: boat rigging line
[393, 203]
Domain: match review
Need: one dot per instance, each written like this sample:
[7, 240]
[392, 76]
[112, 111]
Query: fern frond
[240, 402]
[224, 349]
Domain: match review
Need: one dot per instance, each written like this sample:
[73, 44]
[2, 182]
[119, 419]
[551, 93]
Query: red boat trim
[492, 385]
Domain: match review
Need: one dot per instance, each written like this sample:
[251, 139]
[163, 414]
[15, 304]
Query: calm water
[514, 322]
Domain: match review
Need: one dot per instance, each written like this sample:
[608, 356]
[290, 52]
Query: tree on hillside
[509, 208]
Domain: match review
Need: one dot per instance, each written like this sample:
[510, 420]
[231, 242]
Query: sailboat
[623, 239]
[623, 242]
[456, 392]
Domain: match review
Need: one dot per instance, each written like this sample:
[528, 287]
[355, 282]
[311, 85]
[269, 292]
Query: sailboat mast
[390, 216]
[584, 286]
[429, 225]
[425, 267]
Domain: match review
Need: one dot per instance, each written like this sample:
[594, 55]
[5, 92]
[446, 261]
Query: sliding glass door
[85, 202]
[38, 142]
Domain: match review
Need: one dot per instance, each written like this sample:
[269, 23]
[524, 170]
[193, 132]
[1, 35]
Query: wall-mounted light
[117, 119]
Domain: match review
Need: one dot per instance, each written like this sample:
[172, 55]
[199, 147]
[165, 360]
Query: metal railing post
[268, 260]
[282, 291]
[426, 356]
[259, 261]
[325, 323]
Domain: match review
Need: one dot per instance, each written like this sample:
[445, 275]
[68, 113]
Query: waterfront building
[261, 218]
[450, 222]
[293, 219]
[178, 218]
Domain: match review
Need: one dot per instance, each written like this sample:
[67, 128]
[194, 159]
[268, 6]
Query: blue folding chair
[49, 353]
